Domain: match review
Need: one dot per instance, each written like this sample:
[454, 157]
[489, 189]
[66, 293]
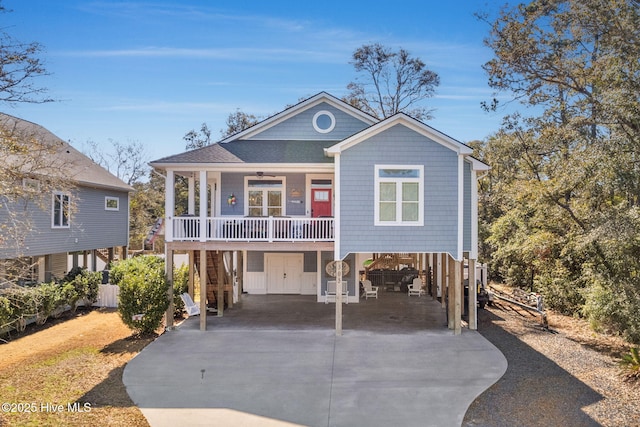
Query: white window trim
[270, 178]
[108, 199]
[419, 180]
[323, 113]
[53, 210]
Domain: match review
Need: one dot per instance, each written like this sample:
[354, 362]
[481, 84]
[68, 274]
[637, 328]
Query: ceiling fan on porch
[261, 174]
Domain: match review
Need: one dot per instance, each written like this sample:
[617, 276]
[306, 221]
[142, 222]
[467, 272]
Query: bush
[81, 284]
[180, 286]
[143, 292]
[6, 313]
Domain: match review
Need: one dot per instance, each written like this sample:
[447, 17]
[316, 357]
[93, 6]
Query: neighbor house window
[111, 203]
[61, 210]
[399, 195]
[265, 197]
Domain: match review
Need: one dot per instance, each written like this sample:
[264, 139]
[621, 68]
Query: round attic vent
[324, 121]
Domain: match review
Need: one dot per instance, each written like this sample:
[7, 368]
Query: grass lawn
[68, 372]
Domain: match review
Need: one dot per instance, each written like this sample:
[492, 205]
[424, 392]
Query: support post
[192, 274]
[457, 306]
[338, 297]
[220, 296]
[203, 289]
[443, 279]
[168, 265]
[450, 291]
[473, 296]
[230, 277]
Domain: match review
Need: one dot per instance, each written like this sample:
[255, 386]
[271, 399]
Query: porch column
[337, 238]
[457, 297]
[473, 296]
[169, 205]
[203, 206]
[191, 280]
[442, 278]
[168, 267]
[192, 195]
[221, 274]
[338, 297]
[450, 292]
[203, 289]
[231, 278]
[240, 274]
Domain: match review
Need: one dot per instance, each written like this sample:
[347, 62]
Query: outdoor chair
[191, 307]
[416, 287]
[330, 293]
[369, 289]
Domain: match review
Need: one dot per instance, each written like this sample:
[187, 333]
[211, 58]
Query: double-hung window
[265, 197]
[61, 210]
[399, 195]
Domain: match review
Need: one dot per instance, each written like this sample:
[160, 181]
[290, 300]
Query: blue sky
[150, 71]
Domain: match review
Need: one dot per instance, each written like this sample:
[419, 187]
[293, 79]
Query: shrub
[630, 364]
[81, 284]
[143, 292]
[48, 297]
[6, 313]
[180, 286]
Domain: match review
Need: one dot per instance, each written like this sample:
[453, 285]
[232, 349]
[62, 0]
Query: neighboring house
[321, 182]
[86, 224]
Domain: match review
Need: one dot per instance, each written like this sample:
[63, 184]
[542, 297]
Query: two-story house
[84, 223]
[320, 185]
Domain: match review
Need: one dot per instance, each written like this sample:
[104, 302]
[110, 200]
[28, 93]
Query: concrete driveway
[276, 361]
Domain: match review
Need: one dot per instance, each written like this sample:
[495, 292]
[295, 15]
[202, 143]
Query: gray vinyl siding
[233, 183]
[91, 226]
[402, 146]
[300, 126]
[466, 245]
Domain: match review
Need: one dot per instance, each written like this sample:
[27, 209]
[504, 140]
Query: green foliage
[20, 303]
[630, 364]
[6, 312]
[143, 297]
[561, 205]
[180, 286]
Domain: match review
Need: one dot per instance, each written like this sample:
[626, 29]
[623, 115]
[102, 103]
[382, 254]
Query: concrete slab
[257, 367]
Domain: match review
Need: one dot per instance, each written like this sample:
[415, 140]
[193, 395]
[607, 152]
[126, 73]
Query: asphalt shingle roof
[255, 151]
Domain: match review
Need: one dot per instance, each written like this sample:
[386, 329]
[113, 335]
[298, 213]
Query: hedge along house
[280, 203]
[82, 219]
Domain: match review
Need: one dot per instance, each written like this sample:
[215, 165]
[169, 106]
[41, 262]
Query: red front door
[320, 202]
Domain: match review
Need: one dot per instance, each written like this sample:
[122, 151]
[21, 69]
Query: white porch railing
[254, 229]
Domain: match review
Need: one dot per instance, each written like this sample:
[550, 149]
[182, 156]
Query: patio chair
[369, 289]
[330, 293]
[191, 307]
[416, 287]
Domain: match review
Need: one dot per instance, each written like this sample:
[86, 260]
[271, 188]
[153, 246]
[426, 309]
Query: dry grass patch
[69, 373]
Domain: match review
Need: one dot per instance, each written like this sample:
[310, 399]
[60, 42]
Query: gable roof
[214, 153]
[407, 121]
[78, 167]
[296, 109]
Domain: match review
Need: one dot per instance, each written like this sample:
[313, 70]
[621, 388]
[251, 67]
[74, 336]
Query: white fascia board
[477, 165]
[410, 123]
[251, 167]
[296, 109]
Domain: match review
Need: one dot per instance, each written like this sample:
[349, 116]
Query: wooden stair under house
[108, 255]
[214, 260]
